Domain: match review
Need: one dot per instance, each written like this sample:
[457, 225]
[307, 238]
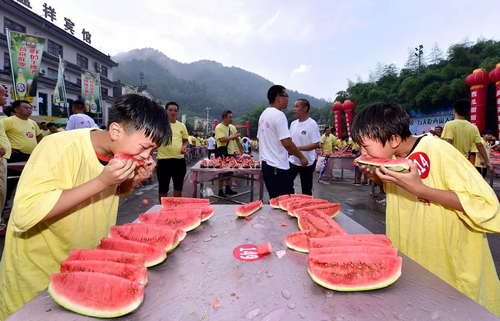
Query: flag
[60, 89]
[25, 59]
[91, 91]
[127, 89]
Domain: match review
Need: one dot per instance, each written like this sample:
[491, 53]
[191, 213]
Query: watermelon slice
[274, 202]
[264, 248]
[354, 271]
[96, 294]
[296, 204]
[396, 164]
[183, 219]
[130, 272]
[153, 255]
[319, 224]
[371, 249]
[180, 235]
[156, 235]
[126, 157]
[207, 211]
[298, 241]
[351, 239]
[175, 201]
[106, 255]
[330, 209]
[248, 209]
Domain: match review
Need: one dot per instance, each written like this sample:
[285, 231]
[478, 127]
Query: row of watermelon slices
[336, 260]
[109, 281]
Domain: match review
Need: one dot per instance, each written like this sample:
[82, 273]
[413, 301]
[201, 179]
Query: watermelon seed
[233, 294]
[48, 310]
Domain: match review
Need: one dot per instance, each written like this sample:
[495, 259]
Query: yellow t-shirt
[179, 132]
[352, 143]
[475, 150]
[224, 131]
[191, 140]
[451, 244]
[463, 133]
[4, 142]
[327, 143]
[34, 249]
[44, 132]
[196, 141]
[21, 133]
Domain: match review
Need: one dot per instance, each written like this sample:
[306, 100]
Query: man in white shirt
[275, 144]
[212, 145]
[305, 134]
[79, 119]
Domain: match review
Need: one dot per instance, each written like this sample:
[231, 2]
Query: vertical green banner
[127, 89]
[60, 89]
[25, 60]
[91, 91]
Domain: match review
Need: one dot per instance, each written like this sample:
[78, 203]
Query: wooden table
[203, 268]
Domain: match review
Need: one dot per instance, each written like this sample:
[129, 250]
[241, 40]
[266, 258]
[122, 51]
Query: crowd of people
[437, 213]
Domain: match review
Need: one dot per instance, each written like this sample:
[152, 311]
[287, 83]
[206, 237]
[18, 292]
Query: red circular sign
[247, 253]
[423, 163]
[29, 134]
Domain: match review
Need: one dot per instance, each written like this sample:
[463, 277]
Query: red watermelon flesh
[153, 255]
[207, 211]
[300, 203]
[96, 294]
[396, 164]
[339, 241]
[274, 202]
[330, 209]
[156, 235]
[106, 255]
[354, 271]
[248, 209]
[126, 157]
[319, 224]
[371, 249]
[175, 201]
[180, 235]
[184, 219]
[130, 272]
[283, 204]
[298, 241]
[264, 248]
[376, 238]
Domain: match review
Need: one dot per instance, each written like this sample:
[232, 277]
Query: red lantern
[495, 76]
[348, 107]
[216, 122]
[478, 82]
[337, 113]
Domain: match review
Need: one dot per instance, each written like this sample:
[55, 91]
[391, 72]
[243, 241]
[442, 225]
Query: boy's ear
[395, 141]
[115, 131]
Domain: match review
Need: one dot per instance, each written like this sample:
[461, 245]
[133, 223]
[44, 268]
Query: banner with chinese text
[91, 91]
[127, 89]
[25, 60]
[60, 89]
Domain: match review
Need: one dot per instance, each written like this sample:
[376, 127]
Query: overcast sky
[309, 46]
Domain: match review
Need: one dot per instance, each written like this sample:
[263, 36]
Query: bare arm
[449, 140]
[309, 147]
[39, 138]
[293, 150]
[484, 156]
[185, 143]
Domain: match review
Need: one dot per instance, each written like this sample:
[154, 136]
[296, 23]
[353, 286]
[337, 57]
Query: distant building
[141, 90]
[74, 49]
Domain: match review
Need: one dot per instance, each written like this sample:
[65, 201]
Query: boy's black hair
[274, 92]
[172, 103]
[17, 103]
[138, 113]
[225, 113]
[462, 107]
[78, 104]
[305, 103]
[380, 121]
[8, 111]
[51, 124]
[487, 132]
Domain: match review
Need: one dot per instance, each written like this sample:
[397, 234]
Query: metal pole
[208, 121]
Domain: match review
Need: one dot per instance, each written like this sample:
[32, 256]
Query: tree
[436, 55]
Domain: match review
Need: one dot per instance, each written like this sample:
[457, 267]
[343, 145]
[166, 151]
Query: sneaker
[229, 191]
[364, 183]
[221, 194]
[356, 183]
[235, 186]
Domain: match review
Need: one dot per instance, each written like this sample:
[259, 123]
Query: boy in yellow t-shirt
[171, 161]
[327, 142]
[486, 136]
[70, 200]
[438, 213]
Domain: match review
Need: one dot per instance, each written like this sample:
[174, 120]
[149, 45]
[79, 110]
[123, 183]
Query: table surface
[203, 268]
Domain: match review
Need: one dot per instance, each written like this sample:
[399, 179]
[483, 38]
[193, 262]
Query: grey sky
[309, 46]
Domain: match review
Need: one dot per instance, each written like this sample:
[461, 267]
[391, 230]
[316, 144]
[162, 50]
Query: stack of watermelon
[340, 154]
[231, 162]
[336, 260]
[109, 281]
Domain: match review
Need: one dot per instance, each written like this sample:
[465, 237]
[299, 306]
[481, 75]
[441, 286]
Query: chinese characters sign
[25, 58]
[91, 91]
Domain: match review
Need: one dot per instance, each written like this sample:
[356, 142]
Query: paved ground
[355, 202]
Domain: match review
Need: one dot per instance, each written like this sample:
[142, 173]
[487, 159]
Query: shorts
[171, 168]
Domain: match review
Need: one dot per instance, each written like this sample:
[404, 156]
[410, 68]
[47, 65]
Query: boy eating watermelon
[70, 200]
[439, 212]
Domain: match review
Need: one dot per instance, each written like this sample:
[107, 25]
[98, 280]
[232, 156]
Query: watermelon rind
[248, 209]
[298, 241]
[396, 165]
[355, 272]
[99, 289]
